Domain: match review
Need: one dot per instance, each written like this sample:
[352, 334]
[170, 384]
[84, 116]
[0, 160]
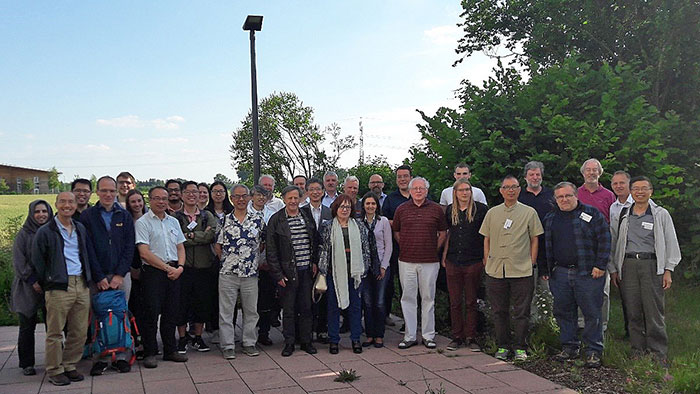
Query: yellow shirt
[509, 231]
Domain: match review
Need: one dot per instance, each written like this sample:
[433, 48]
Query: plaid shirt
[592, 239]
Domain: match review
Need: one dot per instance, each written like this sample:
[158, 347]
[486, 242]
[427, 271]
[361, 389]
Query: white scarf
[339, 260]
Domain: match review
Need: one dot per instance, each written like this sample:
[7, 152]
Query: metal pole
[254, 88]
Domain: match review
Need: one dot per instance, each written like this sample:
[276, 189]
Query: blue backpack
[112, 324]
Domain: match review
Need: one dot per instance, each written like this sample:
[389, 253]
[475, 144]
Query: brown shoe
[74, 376]
[59, 380]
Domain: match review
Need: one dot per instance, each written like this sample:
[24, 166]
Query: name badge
[191, 226]
[119, 224]
[647, 226]
[586, 217]
[507, 224]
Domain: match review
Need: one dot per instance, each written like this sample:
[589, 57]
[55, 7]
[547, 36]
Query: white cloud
[97, 148]
[135, 122]
[443, 35]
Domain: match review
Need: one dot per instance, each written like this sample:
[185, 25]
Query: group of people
[320, 256]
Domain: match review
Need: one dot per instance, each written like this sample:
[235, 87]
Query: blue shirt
[328, 200]
[71, 252]
[106, 215]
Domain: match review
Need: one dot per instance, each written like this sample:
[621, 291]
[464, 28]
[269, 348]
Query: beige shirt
[509, 231]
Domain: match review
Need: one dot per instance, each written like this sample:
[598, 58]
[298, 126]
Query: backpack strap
[623, 213]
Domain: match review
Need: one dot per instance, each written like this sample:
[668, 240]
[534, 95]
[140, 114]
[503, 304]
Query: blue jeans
[355, 311]
[572, 290]
[373, 298]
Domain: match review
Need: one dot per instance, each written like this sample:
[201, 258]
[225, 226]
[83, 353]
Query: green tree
[374, 165]
[93, 180]
[4, 188]
[290, 140]
[224, 179]
[28, 186]
[54, 183]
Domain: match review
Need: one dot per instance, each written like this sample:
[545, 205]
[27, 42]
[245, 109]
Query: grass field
[16, 205]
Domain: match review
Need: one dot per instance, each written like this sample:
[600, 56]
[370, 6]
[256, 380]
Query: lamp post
[252, 24]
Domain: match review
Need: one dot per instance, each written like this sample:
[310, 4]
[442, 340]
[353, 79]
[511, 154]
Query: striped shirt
[300, 240]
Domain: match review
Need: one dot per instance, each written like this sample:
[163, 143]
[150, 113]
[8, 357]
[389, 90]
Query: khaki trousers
[71, 309]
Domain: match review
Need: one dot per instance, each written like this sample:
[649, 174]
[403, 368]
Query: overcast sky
[157, 87]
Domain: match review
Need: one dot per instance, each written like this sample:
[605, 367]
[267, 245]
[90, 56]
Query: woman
[463, 259]
[219, 203]
[136, 206]
[344, 260]
[374, 286]
[203, 195]
[27, 294]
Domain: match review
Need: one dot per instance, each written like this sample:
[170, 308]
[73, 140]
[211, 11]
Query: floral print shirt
[240, 245]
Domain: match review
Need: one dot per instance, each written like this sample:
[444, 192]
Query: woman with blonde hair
[463, 259]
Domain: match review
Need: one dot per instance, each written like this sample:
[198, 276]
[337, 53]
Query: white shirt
[617, 206]
[161, 235]
[271, 207]
[316, 212]
[477, 194]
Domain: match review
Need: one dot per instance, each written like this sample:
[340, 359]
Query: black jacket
[278, 249]
[48, 259]
[111, 252]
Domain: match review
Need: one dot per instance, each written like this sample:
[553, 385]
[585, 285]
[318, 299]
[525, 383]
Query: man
[578, 241]
[125, 183]
[644, 253]
[462, 171]
[238, 245]
[111, 251]
[330, 183]
[351, 187]
[391, 203]
[273, 204]
[159, 240]
[174, 188]
[60, 258]
[510, 233]
[300, 182]
[198, 278]
[82, 189]
[596, 195]
[376, 185]
[419, 227]
[620, 185]
[320, 213]
[540, 198]
[292, 253]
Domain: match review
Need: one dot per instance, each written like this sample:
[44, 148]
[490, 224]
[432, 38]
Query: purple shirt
[601, 199]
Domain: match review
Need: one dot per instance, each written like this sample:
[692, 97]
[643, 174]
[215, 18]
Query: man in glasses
[174, 188]
[578, 243]
[82, 189]
[419, 227]
[125, 183]
[272, 204]
[510, 233]
[645, 252]
[376, 185]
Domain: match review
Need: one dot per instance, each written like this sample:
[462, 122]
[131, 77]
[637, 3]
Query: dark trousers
[572, 290]
[136, 301]
[25, 340]
[502, 294]
[374, 303]
[296, 307]
[463, 283]
[354, 311]
[642, 291]
[161, 296]
[268, 305]
[196, 295]
[393, 273]
[320, 311]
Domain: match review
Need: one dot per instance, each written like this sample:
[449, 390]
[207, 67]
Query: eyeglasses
[238, 196]
[218, 191]
[641, 189]
[82, 191]
[191, 192]
[419, 188]
[345, 207]
[173, 189]
[315, 189]
[465, 189]
[564, 196]
[376, 183]
[511, 187]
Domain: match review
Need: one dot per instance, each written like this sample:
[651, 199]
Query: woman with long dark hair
[136, 206]
[219, 203]
[344, 259]
[463, 259]
[374, 285]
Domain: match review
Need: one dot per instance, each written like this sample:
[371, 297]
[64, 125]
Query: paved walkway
[385, 370]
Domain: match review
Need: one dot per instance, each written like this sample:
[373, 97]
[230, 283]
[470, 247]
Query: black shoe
[139, 355]
[402, 329]
[593, 360]
[199, 344]
[264, 340]
[176, 357]
[322, 337]
[368, 343]
[59, 380]
[98, 368]
[333, 348]
[28, 371]
[288, 350]
[356, 347]
[308, 348]
[74, 376]
[122, 366]
[182, 345]
[150, 362]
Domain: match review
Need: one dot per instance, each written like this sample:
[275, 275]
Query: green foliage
[374, 165]
[346, 376]
[28, 186]
[291, 142]
[6, 276]
[4, 188]
[687, 379]
[224, 179]
[54, 183]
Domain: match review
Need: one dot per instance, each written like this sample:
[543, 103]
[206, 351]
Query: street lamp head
[253, 22]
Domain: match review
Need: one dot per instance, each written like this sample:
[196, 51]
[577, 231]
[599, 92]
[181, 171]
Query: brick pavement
[385, 370]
